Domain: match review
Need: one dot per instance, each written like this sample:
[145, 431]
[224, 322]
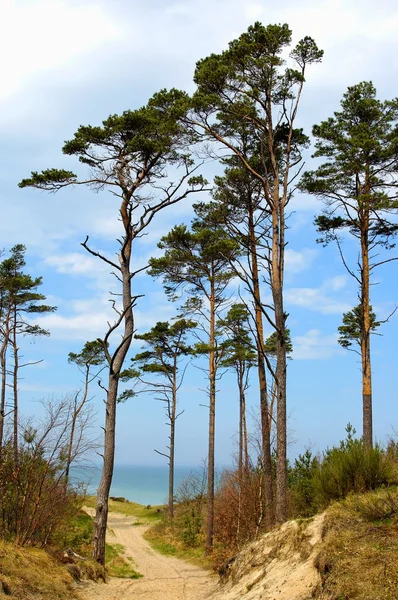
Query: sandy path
[165, 578]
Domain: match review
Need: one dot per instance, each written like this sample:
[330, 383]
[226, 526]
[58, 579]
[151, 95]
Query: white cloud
[87, 318]
[336, 283]
[299, 260]
[41, 35]
[320, 299]
[74, 263]
[313, 345]
[84, 326]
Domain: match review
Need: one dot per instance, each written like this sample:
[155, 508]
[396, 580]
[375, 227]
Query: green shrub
[301, 484]
[352, 468]
[192, 520]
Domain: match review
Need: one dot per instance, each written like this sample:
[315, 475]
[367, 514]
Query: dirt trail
[165, 578]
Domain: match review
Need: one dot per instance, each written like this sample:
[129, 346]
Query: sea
[143, 484]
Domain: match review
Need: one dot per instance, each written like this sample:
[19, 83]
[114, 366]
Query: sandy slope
[165, 578]
[279, 566]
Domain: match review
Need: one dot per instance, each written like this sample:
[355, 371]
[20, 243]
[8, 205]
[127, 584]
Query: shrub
[352, 468]
[301, 485]
[34, 501]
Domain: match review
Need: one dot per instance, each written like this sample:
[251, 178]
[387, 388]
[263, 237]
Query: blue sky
[71, 62]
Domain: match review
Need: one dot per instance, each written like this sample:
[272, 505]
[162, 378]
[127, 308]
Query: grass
[33, 573]
[163, 538]
[118, 565]
[359, 557]
[80, 540]
[145, 514]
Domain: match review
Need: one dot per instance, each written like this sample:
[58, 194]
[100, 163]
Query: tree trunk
[3, 390]
[241, 421]
[262, 379]
[277, 272]
[101, 513]
[212, 419]
[15, 386]
[172, 442]
[367, 434]
[245, 438]
[115, 367]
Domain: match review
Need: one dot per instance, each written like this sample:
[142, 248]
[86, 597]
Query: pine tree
[247, 87]
[129, 155]
[239, 355]
[165, 345]
[19, 298]
[197, 260]
[91, 357]
[358, 185]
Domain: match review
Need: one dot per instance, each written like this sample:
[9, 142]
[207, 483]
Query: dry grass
[359, 557]
[31, 573]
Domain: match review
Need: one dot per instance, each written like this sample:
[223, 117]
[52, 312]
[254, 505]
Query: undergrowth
[33, 573]
[359, 555]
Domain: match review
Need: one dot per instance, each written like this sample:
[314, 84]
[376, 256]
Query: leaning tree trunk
[212, 420]
[365, 341]
[115, 367]
[268, 500]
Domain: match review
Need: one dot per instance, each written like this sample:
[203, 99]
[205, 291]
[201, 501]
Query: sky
[70, 62]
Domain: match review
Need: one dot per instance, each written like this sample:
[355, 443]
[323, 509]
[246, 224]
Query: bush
[34, 501]
[301, 485]
[352, 468]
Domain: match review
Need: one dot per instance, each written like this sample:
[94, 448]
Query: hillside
[279, 565]
[350, 551]
[31, 573]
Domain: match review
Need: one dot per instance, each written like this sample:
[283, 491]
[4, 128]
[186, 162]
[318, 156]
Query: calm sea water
[145, 485]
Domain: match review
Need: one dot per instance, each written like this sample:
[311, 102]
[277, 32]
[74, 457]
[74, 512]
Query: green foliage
[141, 142]
[271, 343]
[167, 343]
[192, 527]
[301, 483]
[196, 259]
[360, 145]
[56, 176]
[251, 65]
[237, 88]
[92, 354]
[353, 467]
[76, 533]
[238, 347]
[18, 292]
[353, 328]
